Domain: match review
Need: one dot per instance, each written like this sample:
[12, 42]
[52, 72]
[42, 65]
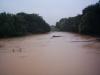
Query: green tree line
[21, 24]
[86, 23]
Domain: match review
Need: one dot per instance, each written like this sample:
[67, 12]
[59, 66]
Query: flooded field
[57, 53]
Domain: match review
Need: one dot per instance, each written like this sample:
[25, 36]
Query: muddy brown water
[46, 55]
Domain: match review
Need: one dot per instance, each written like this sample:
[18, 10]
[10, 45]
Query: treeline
[21, 24]
[86, 23]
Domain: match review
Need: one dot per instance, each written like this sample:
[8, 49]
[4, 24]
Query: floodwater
[42, 54]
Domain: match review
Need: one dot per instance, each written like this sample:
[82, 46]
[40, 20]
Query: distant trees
[69, 24]
[86, 23]
[21, 24]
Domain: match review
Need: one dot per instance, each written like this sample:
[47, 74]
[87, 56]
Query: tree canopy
[86, 23]
[21, 24]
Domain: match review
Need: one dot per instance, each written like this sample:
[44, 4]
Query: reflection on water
[47, 55]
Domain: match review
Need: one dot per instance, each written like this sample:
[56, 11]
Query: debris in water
[95, 40]
[55, 36]
[17, 50]
[1, 46]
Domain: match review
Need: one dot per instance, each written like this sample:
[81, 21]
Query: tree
[86, 23]
[70, 24]
[21, 24]
[90, 23]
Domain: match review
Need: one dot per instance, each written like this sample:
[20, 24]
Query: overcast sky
[51, 10]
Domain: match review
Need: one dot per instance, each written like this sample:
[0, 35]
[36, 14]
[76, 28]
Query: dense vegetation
[86, 23]
[21, 24]
[69, 24]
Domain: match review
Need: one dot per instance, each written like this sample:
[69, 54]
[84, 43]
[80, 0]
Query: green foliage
[69, 24]
[90, 23]
[87, 23]
[21, 24]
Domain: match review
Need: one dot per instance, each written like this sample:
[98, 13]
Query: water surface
[70, 54]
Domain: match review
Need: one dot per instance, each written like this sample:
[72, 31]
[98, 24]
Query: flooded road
[69, 54]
